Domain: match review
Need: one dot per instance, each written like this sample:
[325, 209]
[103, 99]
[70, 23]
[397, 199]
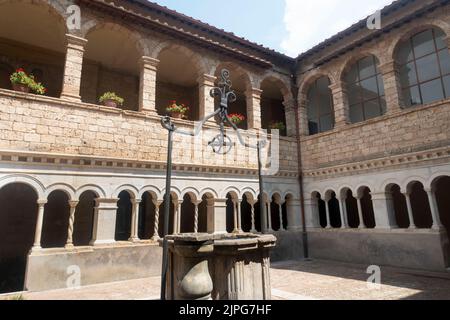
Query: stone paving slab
[292, 280]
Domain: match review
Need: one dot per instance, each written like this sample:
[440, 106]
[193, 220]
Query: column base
[134, 239]
[155, 238]
[69, 246]
[97, 243]
[71, 97]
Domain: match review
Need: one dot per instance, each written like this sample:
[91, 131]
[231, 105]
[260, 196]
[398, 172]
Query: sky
[288, 26]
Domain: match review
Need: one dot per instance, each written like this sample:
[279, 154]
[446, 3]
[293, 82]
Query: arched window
[320, 107]
[365, 90]
[424, 62]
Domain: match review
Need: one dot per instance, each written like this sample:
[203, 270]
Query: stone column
[39, 221]
[362, 225]
[206, 102]
[239, 215]
[384, 210]
[327, 209]
[134, 220]
[155, 237]
[340, 102]
[210, 215]
[280, 211]
[196, 204]
[289, 112]
[235, 218]
[392, 87]
[269, 218]
[343, 210]
[73, 68]
[105, 213]
[147, 85]
[253, 108]
[437, 223]
[252, 205]
[303, 114]
[412, 224]
[177, 217]
[311, 214]
[218, 222]
[294, 215]
[73, 207]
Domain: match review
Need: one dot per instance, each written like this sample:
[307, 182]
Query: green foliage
[111, 96]
[21, 77]
[278, 125]
[177, 108]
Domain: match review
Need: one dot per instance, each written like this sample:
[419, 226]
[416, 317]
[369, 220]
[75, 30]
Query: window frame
[316, 99]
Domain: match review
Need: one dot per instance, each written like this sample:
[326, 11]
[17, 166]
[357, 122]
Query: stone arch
[407, 183]
[397, 202]
[34, 183]
[132, 190]
[399, 39]
[153, 190]
[99, 191]
[311, 78]
[250, 192]
[192, 192]
[431, 182]
[210, 192]
[352, 59]
[420, 205]
[175, 193]
[232, 190]
[284, 86]
[247, 77]
[66, 188]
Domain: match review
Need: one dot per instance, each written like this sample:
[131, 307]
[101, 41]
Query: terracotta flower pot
[176, 115]
[111, 103]
[21, 87]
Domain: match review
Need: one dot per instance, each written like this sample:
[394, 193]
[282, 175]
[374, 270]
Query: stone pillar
[312, 214]
[218, 222]
[340, 102]
[327, 209]
[303, 114]
[280, 212]
[105, 213]
[177, 217]
[437, 223]
[252, 204]
[206, 102]
[135, 203]
[157, 204]
[235, 217]
[239, 216]
[196, 204]
[392, 87]
[210, 216]
[73, 207]
[384, 210]
[412, 224]
[39, 221]
[362, 225]
[147, 85]
[289, 112]
[253, 108]
[269, 217]
[294, 216]
[343, 210]
[73, 68]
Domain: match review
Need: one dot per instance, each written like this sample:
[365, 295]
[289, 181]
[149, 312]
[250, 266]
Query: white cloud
[310, 22]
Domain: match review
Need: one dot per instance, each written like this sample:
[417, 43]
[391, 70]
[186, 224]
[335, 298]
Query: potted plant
[278, 125]
[177, 111]
[23, 82]
[111, 99]
[236, 118]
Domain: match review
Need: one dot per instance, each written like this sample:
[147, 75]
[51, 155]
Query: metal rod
[262, 205]
[166, 215]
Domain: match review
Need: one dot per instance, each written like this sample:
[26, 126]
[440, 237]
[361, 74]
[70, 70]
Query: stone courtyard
[291, 280]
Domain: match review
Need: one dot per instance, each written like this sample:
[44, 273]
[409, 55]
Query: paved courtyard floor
[293, 280]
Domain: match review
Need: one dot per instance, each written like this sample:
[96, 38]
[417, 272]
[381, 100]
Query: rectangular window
[369, 88]
[366, 67]
[326, 123]
[444, 58]
[428, 68]
[372, 109]
[432, 91]
[423, 43]
[356, 113]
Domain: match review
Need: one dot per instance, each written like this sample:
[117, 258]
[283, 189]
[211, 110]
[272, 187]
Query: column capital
[447, 40]
[337, 87]
[157, 203]
[197, 202]
[387, 67]
[253, 93]
[290, 105]
[206, 80]
[76, 42]
[42, 202]
[73, 203]
[136, 201]
[149, 62]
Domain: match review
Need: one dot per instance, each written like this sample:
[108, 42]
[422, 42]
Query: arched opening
[231, 198]
[424, 65]
[441, 187]
[56, 220]
[257, 208]
[272, 108]
[365, 90]
[84, 219]
[319, 207]
[205, 210]
[368, 213]
[400, 206]
[171, 216]
[18, 215]
[123, 217]
[286, 205]
[32, 37]
[320, 107]
[275, 212]
[111, 64]
[335, 212]
[187, 214]
[146, 223]
[420, 206]
[246, 213]
[173, 85]
[241, 83]
[351, 204]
